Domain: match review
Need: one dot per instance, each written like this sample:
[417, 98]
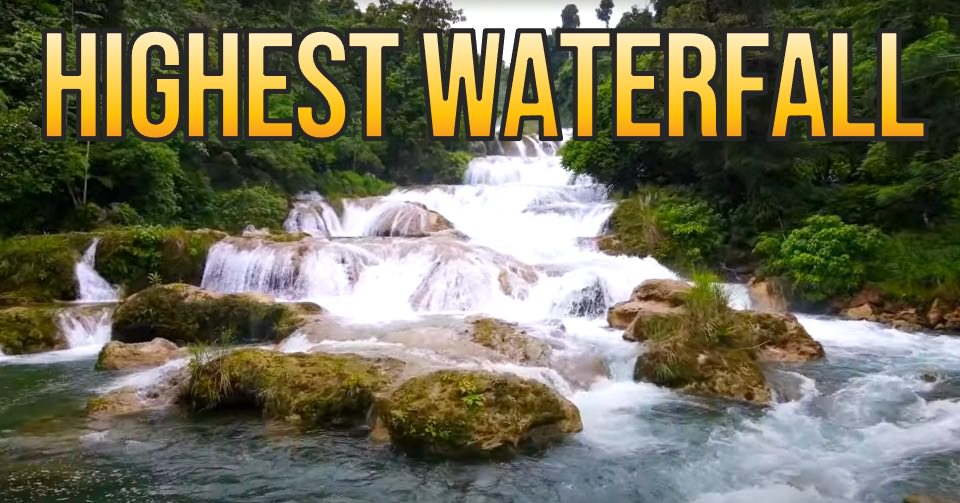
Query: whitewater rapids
[877, 419]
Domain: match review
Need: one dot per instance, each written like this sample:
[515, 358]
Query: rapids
[878, 419]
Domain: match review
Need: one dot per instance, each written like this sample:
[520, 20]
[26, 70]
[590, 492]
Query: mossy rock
[116, 355]
[311, 389]
[475, 414]
[134, 257]
[509, 340]
[717, 371]
[186, 314]
[26, 330]
[40, 268]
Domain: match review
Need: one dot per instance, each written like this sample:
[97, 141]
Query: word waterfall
[156, 86]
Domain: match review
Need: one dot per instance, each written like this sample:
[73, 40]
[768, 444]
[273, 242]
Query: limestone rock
[185, 314]
[464, 414]
[766, 296]
[650, 312]
[313, 389]
[581, 370]
[779, 337]
[861, 312]
[131, 400]
[668, 291]
[117, 355]
[509, 340]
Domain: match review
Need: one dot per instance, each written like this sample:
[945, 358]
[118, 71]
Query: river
[862, 426]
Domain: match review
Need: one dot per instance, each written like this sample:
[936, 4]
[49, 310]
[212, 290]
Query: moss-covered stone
[135, 257]
[116, 355]
[26, 330]
[464, 414]
[186, 314]
[38, 269]
[311, 389]
[509, 340]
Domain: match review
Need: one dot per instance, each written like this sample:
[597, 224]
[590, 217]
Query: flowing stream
[877, 419]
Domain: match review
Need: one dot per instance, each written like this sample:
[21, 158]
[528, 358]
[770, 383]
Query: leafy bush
[824, 258]
[260, 207]
[673, 227]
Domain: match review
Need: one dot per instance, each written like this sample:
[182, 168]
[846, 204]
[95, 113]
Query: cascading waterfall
[91, 286]
[862, 413]
[877, 419]
[85, 327]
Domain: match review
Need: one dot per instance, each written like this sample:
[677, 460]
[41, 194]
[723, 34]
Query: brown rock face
[668, 291]
[781, 338]
[622, 314]
[130, 400]
[636, 330]
[767, 296]
[509, 340]
[117, 355]
[861, 312]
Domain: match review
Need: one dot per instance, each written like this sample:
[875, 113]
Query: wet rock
[463, 414]
[185, 314]
[779, 337]
[708, 370]
[609, 244]
[408, 219]
[120, 402]
[314, 389]
[863, 312]
[589, 302]
[937, 313]
[581, 370]
[117, 355]
[509, 340]
[668, 291]
[25, 330]
[928, 498]
[163, 393]
[650, 298]
[767, 296]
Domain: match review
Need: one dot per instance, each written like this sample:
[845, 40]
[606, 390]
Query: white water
[92, 286]
[861, 424]
[863, 420]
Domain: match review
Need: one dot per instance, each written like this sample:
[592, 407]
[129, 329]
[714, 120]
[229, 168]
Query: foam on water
[92, 286]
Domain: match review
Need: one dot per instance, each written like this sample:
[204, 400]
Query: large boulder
[26, 330]
[650, 298]
[472, 414]
[314, 389]
[703, 346]
[509, 340]
[408, 219]
[117, 355]
[186, 314]
[766, 296]
[780, 337]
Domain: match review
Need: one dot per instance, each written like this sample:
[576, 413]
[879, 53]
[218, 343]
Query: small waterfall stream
[91, 286]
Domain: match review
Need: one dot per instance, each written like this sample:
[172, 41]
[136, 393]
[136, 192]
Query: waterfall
[85, 326]
[312, 214]
[92, 287]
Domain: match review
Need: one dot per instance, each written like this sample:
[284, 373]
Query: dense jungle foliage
[71, 185]
[828, 216]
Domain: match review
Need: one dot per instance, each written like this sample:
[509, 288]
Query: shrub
[261, 207]
[673, 227]
[824, 258]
